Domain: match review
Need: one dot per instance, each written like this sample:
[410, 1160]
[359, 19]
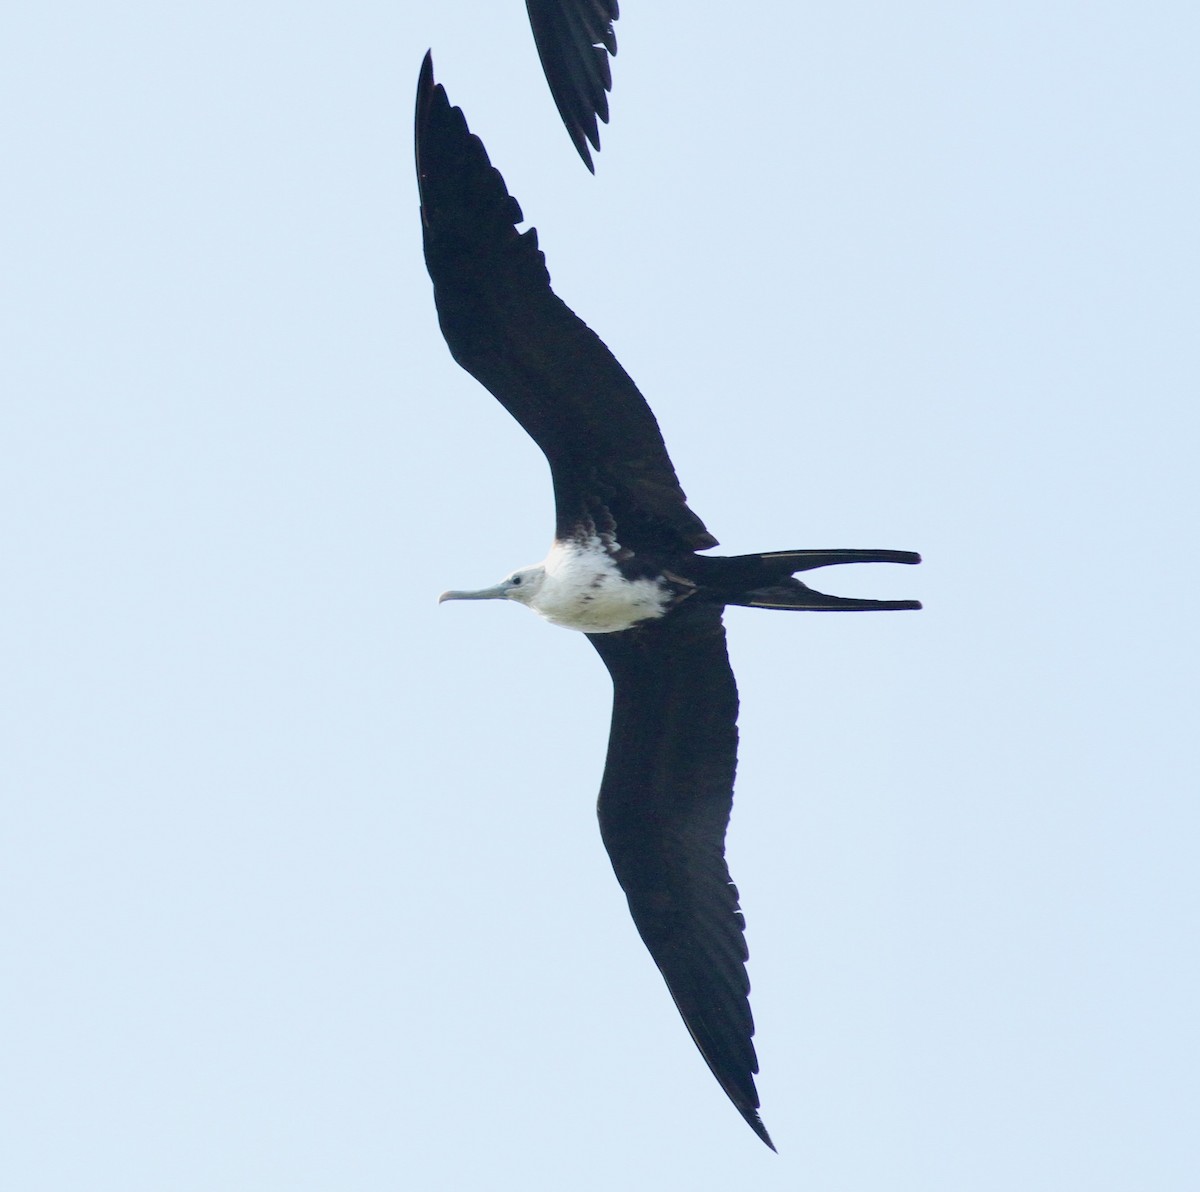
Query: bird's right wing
[664, 806]
[508, 329]
[574, 39]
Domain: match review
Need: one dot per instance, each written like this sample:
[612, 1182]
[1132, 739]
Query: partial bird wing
[508, 329]
[664, 806]
[574, 39]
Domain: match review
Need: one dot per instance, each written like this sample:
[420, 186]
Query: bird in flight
[624, 569]
[574, 40]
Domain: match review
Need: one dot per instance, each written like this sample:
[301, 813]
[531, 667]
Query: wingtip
[575, 43]
[752, 1119]
[586, 141]
[425, 94]
[425, 87]
[581, 145]
[748, 1108]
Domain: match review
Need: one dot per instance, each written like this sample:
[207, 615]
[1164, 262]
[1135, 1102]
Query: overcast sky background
[301, 881]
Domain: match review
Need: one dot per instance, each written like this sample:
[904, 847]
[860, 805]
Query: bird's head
[522, 586]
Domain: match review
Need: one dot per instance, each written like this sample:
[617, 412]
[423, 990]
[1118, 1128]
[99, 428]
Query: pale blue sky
[300, 881]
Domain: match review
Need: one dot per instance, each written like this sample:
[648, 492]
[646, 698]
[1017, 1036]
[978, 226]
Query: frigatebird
[624, 569]
[574, 39]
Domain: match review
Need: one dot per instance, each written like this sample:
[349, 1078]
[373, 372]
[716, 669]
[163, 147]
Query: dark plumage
[625, 569]
[574, 39]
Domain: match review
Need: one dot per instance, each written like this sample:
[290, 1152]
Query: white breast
[584, 590]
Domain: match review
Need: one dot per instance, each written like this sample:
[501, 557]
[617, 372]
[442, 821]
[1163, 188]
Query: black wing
[507, 328]
[664, 806]
[574, 39]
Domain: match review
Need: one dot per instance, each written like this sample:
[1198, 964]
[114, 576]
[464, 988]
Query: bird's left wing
[510, 331]
[574, 39]
[664, 806]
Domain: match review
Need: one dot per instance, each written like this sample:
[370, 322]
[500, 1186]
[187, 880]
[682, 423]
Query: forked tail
[766, 580]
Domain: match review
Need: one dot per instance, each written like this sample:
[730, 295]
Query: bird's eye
[516, 579]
